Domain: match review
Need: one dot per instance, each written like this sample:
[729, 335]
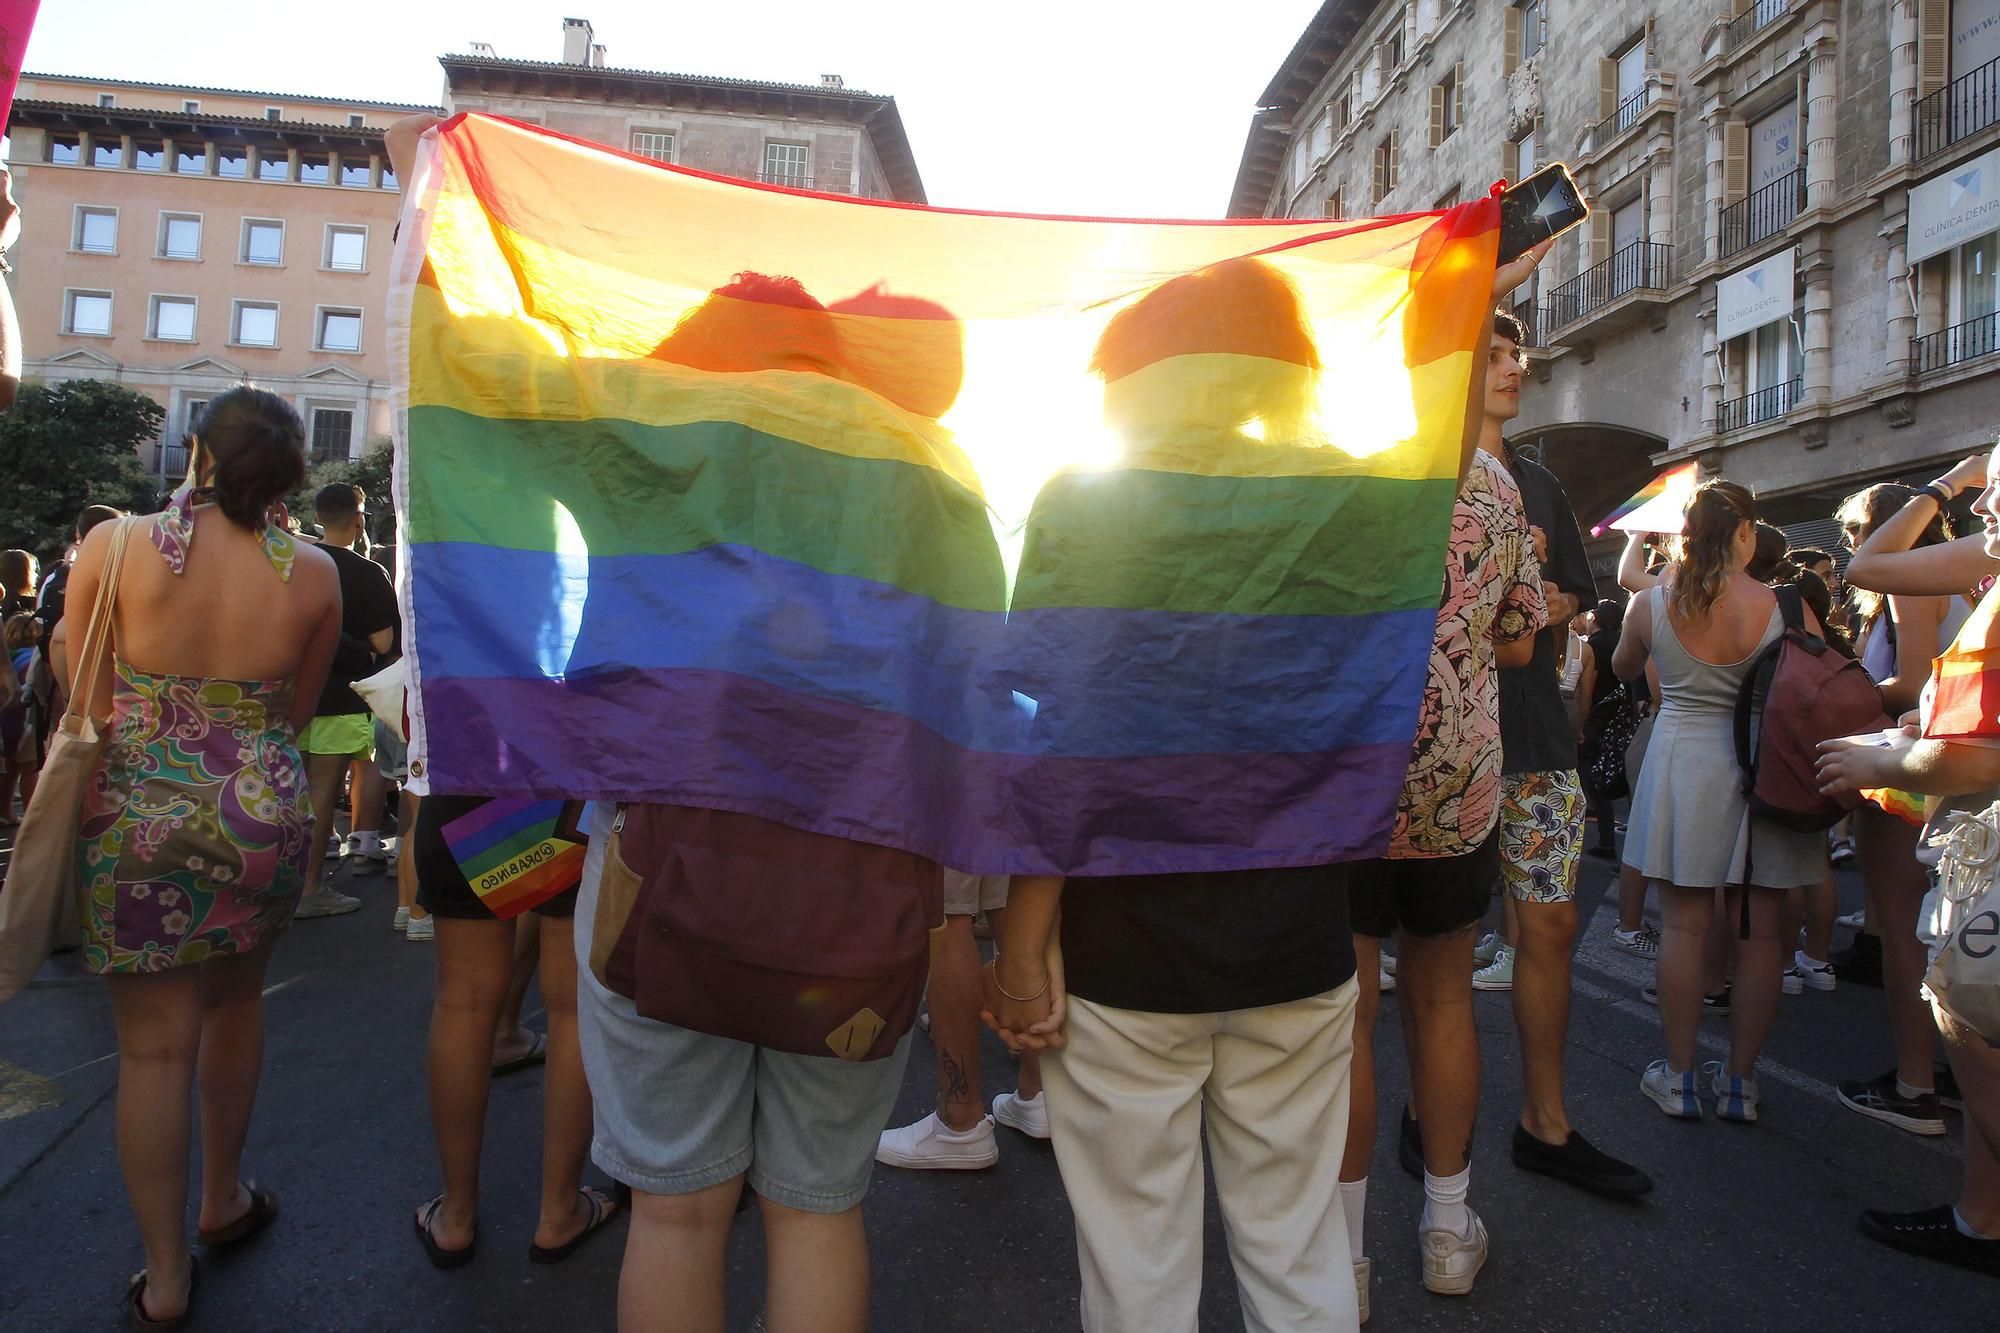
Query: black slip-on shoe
[1579, 1164]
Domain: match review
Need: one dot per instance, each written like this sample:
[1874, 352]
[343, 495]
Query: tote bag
[41, 878]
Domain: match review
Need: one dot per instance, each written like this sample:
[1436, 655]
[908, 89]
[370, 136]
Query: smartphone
[1544, 205]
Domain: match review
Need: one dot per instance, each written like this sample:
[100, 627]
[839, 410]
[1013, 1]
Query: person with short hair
[342, 733]
[194, 832]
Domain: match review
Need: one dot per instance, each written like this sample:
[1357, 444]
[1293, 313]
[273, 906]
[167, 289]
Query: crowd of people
[1151, 1013]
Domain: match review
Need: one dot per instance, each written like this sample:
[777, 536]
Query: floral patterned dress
[196, 827]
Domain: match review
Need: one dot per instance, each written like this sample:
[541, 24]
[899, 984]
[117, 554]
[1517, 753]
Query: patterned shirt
[1492, 594]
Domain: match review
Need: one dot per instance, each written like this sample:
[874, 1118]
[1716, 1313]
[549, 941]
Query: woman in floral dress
[196, 826]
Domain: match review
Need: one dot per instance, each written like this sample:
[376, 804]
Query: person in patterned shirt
[1431, 890]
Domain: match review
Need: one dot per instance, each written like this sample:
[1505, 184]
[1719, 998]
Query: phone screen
[1544, 205]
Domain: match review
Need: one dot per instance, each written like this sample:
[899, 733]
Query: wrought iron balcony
[1959, 110]
[1961, 342]
[1752, 21]
[1624, 118]
[1764, 214]
[1764, 405]
[170, 460]
[1641, 266]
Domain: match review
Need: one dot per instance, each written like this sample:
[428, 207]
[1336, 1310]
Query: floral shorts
[1541, 834]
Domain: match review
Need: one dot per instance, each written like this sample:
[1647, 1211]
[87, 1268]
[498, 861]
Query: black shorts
[442, 889]
[1423, 895]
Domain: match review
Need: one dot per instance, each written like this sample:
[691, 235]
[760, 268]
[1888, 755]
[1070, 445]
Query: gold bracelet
[994, 966]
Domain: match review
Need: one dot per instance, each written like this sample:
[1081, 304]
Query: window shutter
[1735, 161]
[1600, 238]
[1510, 40]
[1381, 182]
[1741, 6]
[1652, 52]
[1437, 114]
[1458, 94]
[1933, 46]
[1510, 162]
[1607, 89]
[1395, 156]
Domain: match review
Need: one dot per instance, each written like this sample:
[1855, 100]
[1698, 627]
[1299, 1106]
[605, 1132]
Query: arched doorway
[1600, 465]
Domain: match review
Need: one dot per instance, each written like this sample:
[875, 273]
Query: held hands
[1850, 763]
[1026, 1003]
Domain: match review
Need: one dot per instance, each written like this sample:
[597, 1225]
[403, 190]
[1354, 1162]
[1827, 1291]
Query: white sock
[1354, 1200]
[1444, 1202]
[1905, 1090]
[367, 839]
[1964, 1227]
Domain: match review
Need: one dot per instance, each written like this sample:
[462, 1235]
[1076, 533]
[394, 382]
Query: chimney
[597, 54]
[832, 81]
[576, 41]
[485, 49]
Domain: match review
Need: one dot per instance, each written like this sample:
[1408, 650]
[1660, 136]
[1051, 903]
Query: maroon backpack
[1798, 693]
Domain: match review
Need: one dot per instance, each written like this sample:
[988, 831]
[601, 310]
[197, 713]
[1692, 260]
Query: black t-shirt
[367, 607]
[1535, 729]
[1602, 645]
[1207, 943]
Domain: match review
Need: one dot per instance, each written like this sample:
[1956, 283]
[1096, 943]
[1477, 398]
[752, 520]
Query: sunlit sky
[1131, 108]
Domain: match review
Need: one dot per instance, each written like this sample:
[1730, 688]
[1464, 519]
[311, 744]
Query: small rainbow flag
[1965, 703]
[513, 856]
[1905, 805]
[1026, 544]
[1656, 506]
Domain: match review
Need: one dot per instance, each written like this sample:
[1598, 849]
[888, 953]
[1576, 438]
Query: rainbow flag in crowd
[1656, 506]
[513, 853]
[1965, 702]
[1028, 544]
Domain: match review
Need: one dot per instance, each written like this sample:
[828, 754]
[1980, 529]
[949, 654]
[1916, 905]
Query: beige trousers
[1126, 1103]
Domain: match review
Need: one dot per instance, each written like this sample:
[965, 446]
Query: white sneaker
[1388, 961]
[1645, 941]
[325, 903]
[1498, 974]
[402, 920]
[423, 928]
[1385, 981]
[1487, 949]
[1363, 1271]
[1030, 1115]
[931, 1145]
[1452, 1261]
[1812, 972]
[1791, 983]
[336, 847]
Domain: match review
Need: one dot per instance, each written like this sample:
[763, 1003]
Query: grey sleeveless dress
[1689, 824]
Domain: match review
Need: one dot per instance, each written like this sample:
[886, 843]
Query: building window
[332, 434]
[263, 241]
[254, 324]
[785, 164]
[270, 113]
[1334, 206]
[346, 249]
[233, 163]
[96, 231]
[65, 150]
[1976, 294]
[315, 169]
[389, 177]
[171, 318]
[1527, 151]
[180, 236]
[1629, 97]
[339, 330]
[190, 107]
[103, 154]
[1534, 22]
[1343, 115]
[1392, 47]
[191, 161]
[1447, 108]
[653, 144]
[106, 99]
[273, 165]
[149, 156]
[1449, 199]
[355, 120]
[354, 173]
[1385, 167]
[87, 313]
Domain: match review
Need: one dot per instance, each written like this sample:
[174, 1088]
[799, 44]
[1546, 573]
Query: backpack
[1798, 693]
[740, 927]
[1607, 734]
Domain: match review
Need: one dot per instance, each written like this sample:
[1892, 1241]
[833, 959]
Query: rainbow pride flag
[1965, 698]
[1656, 506]
[513, 853]
[1028, 544]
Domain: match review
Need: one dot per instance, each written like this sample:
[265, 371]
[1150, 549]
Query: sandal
[262, 1212]
[135, 1300]
[602, 1211]
[528, 1059]
[440, 1256]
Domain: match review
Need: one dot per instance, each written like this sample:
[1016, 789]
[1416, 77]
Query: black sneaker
[1410, 1146]
[1933, 1234]
[1716, 1005]
[1878, 1099]
[1580, 1165]
[1860, 962]
[1947, 1088]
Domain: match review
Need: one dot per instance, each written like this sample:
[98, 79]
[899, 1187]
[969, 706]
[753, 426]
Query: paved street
[1751, 1227]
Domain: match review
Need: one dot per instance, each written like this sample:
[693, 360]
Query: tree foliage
[370, 472]
[67, 445]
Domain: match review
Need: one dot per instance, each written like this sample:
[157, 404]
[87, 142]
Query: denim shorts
[679, 1111]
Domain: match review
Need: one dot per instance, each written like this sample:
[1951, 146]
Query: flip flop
[602, 1211]
[534, 1055]
[440, 1256]
[262, 1212]
[135, 1300]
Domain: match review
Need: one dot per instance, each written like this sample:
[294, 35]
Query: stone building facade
[181, 240]
[1790, 274]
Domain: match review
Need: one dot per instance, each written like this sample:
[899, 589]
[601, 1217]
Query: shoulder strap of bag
[97, 640]
[1792, 606]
